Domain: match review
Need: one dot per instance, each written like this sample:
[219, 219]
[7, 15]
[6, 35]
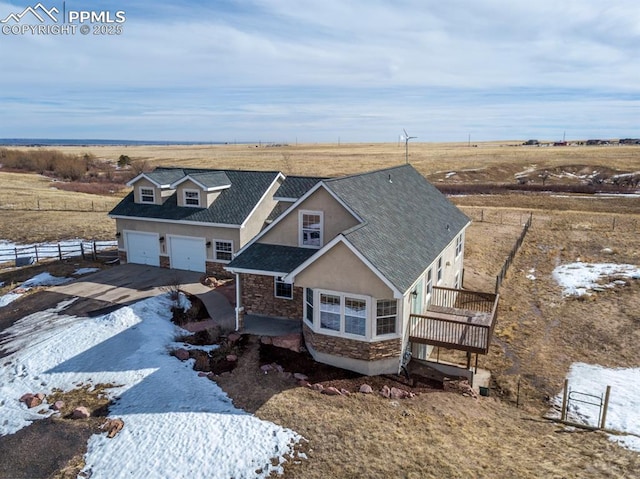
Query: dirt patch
[54, 447]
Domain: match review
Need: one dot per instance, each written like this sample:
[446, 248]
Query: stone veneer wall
[351, 348]
[122, 256]
[258, 298]
[164, 262]
[217, 270]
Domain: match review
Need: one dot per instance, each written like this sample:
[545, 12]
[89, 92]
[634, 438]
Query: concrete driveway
[106, 290]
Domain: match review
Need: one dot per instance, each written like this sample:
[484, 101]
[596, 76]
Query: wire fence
[512, 253]
[41, 204]
[556, 220]
[24, 255]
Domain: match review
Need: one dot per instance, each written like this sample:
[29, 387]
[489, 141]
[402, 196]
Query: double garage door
[184, 252]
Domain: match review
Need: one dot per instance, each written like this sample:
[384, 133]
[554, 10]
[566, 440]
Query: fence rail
[38, 204]
[23, 255]
[512, 253]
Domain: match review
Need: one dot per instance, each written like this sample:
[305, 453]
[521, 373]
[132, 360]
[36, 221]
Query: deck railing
[449, 320]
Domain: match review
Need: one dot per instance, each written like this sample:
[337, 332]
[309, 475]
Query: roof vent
[390, 178]
[448, 227]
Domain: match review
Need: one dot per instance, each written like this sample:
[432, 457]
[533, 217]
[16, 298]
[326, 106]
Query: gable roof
[208, 181]
[232, 206]
[293, 187]
[271, 258]
[161, 177]
[406, 224]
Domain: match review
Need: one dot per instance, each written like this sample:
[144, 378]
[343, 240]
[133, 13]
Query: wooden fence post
[606, 406]
[35, 248]
[95, 251]
[82, 249]
[565, 395]
[59, 252]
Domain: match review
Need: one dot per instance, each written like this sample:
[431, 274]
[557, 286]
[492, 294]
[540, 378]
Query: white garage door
[187, 253]
[143, 248]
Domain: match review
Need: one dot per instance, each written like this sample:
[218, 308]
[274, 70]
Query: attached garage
[142, 248]
[187, 253]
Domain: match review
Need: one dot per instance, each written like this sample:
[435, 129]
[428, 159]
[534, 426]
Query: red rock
[385, 391]
[33, 401]
[233, 338]
[80, 413]
[266, 340]
[232, 358]
[290, 341]
[181, 354]
[58, 405]
[26, 396]
[344, 392]
[331, 391]
[112, 427]
[304, 383]
[40, 396]
[300, 376]
[317, 387]
[366, 389]
[396, 393]
[202, 374]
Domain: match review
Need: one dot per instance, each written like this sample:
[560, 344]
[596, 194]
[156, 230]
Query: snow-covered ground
[624, 403]
[177, 424]
[577, 279]
[42, 279]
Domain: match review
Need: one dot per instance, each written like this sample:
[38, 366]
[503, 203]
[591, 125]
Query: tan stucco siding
[190, 185]
[144, 183]
[336, 219]
[255, 222]
[341, 270]
[210, 233]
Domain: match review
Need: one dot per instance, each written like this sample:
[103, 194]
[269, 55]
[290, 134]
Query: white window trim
[277, 280]
[376, 317]
[184, 197]
[313, 306]
[215, 250]
[153, 194]
[439, 271]
[301, 214]
[459, 245]
[371, 319]
[428, 286]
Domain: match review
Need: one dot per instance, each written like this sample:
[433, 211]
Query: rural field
[540, 331]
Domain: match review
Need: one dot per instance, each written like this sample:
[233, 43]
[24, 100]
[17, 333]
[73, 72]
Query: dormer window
[192, 198]
[310, 224]
[147, 195]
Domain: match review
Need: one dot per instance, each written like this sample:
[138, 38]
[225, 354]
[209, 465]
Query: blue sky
[319, 71]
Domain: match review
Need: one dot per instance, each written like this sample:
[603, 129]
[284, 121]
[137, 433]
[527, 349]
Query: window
[147, 195]
[439, 273]
[309, 305]
[355, 316]
[458, 245]
[310, 229]
[223, 250]
[456, 284]
[429, 282]
[386, 313]
[191, 198]
[330, 312]
[282, 290]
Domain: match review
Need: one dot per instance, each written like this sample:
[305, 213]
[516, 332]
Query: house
[193, 219]
[371, 265]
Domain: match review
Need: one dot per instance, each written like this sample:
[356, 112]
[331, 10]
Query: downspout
[238, 301]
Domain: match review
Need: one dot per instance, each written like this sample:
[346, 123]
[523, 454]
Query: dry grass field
[538, 336]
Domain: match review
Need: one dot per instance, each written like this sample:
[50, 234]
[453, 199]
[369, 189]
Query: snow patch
[577, 279]
[81, 271]
[177, 424]
[624, 402]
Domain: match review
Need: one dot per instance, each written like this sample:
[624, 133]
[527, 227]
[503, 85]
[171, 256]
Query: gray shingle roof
[232, 206]
[212, 179]
[407, 221]
[273, 258]
[296, 186]
[165, 176]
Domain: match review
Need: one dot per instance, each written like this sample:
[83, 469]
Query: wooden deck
[456, 319]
